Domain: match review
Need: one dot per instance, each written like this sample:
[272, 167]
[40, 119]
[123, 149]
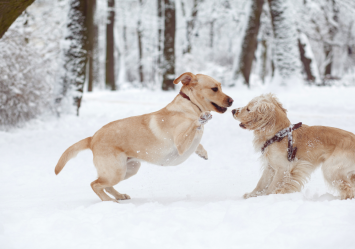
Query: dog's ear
[265, 115]
[277, 102]
[185, 78]
[264, 107]
[272, 99]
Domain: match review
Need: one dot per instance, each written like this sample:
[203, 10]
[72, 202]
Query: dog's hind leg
[132, 169]
[339, 172]
[111, 168]
[351, 177]
[117, 194]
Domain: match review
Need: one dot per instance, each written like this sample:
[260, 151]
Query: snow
[197, 204]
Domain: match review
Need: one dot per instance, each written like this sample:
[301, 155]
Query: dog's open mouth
[242, 125]
[219, 108]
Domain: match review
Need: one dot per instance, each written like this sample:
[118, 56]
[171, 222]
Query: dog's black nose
[233, 111]
[230, 101]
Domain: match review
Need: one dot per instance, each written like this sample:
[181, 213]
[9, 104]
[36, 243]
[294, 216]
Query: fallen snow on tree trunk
[197, 204]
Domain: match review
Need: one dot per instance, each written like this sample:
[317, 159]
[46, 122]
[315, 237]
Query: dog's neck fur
[185, 96]
[281, 122]
[181, 104]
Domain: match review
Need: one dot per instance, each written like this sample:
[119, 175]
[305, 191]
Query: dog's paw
[201, 152]
[204, 117]
[123, 197]
[246, 195]
[279, 191]
[203, 155]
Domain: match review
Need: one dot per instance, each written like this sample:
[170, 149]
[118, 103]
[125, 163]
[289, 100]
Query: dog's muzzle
[235, 111]
[230, 101]
[242, 125]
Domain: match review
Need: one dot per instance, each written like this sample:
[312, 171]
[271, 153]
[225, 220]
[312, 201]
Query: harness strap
[291, 151]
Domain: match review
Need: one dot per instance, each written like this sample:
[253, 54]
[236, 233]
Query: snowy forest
[54, 51]
[70, 68]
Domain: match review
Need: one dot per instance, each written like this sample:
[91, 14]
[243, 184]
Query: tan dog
[333, 148]
[166, 137]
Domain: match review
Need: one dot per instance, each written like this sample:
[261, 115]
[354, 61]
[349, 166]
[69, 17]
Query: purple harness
[291, 151]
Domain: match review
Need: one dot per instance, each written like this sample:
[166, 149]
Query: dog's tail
[71, 152]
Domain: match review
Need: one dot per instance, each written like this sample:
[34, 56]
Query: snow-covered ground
[197, 204]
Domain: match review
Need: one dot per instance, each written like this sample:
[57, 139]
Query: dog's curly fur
[330, 147]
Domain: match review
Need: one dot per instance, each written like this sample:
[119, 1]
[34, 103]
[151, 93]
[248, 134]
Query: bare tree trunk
[9, 11]
[140, 48]
[160, 31]
[285, 54]
[329, 57]
[97, 66]
[250, 42]
[125, 38]
[212, 32]
[110, 47]
[190, 26]
[328, 47]
[169, 45]
[90, 27]
[76, 55]
[264, 61]
[123, 69]
[306, 62]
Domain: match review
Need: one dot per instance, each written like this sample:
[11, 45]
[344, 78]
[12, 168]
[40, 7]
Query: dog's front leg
[263, 183]
[201, 152]
[279, 182]
[185, 137]
[186, 132]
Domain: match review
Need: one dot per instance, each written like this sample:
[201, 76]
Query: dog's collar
[291, 151]
[188, 98]
[184, 95]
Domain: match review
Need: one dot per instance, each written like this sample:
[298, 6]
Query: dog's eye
[248, 109]
[215, 89]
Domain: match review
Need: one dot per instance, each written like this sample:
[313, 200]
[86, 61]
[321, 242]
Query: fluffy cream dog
[166, 137]
[287, 164]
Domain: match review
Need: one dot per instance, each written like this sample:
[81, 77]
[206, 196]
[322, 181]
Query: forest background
[51, 52]
[106, 60]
